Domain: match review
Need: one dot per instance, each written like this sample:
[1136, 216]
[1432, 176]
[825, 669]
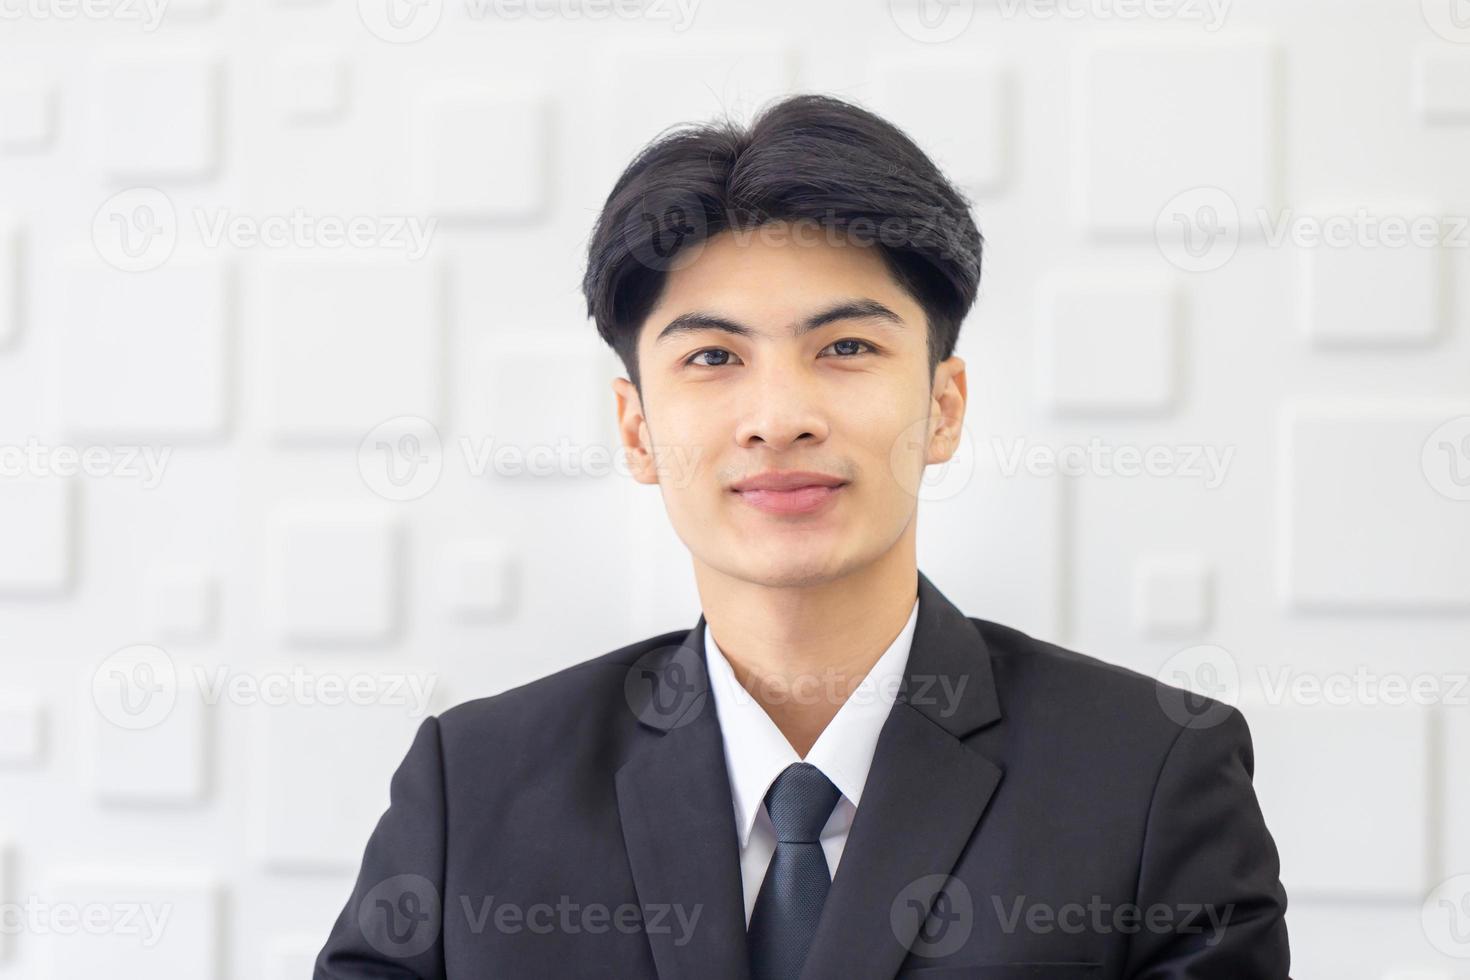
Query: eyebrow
[856, 309]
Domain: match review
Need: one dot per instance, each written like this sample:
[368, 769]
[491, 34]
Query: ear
[633, 432]
[947, 410]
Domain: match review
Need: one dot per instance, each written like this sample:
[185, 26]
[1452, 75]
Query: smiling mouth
[795, 501]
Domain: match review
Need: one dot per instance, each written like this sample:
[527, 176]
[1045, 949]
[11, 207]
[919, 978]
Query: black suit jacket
[1030, 812]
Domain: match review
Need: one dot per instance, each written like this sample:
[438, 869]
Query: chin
[789, 571]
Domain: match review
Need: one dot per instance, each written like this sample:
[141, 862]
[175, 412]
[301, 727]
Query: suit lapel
[678, 817]
[925, 793]
[922, 802]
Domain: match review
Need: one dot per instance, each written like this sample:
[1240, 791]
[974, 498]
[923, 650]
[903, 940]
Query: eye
[709, 350]
[847, 352]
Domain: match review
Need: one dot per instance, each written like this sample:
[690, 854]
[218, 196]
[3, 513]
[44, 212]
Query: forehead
[779, 270]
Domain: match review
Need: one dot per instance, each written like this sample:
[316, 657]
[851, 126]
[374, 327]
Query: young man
[835, 773]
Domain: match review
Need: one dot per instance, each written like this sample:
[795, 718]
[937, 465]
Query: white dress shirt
[756, 752]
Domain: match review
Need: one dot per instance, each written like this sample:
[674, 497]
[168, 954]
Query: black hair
[806, 158]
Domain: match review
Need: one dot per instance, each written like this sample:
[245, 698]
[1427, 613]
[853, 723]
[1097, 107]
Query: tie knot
[799, 802]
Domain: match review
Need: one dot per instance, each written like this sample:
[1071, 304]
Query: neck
[801, 650]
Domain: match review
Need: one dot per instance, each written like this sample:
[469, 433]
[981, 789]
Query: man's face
[824, 369]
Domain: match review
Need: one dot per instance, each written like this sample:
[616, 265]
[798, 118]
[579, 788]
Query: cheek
[686, 459]
[891, 398]
[900, 456]
[680, 438]
[893, 427]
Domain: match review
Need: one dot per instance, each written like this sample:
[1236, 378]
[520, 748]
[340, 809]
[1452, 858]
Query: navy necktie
[790, 900]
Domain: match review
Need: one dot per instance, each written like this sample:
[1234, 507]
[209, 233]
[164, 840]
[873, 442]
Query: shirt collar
[756, 752]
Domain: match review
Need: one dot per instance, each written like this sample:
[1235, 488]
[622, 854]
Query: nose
[780, 408]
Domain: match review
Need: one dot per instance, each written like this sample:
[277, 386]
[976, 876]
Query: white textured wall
[1301, 544]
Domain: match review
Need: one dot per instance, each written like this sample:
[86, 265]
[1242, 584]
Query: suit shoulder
[585, 689]
[1087, 689]
[1026, 654]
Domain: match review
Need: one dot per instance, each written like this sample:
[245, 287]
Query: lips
[791, 492]
[787, 480]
